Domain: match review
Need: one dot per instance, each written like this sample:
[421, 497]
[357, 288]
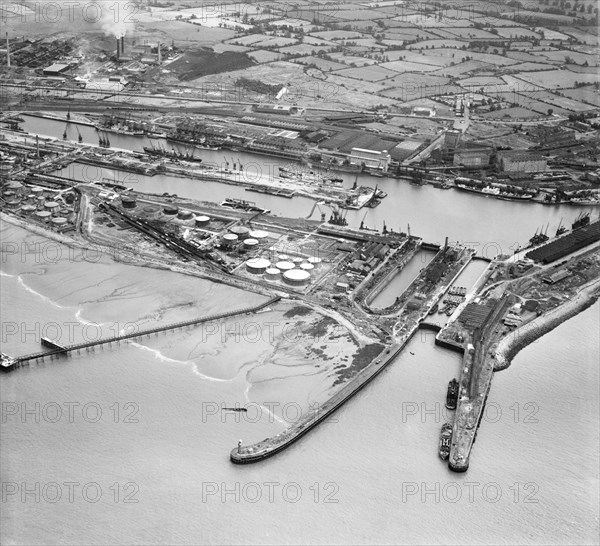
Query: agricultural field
[366, 73]
[408, 34]
[471, 33]
[587, 95]
[303, 49]
[405, 66]
[517, 33]
[556, 79]
[528, 67]
[577, 57]
[423, 58]
[336, 35]
[349, 59]
[321, 64]
[182, 33]
[365, 86]
[462, 68]
[263, 56]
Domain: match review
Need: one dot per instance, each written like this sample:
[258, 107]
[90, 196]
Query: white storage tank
[296, 277]
[240, 231]
[43, 215]
[257, 266]
[272, 274]
[229, 239]
[202, 221]
[59, 222]
[258, 234]
[284, 266]
[314, 260]
[307, 266]
[250, 243]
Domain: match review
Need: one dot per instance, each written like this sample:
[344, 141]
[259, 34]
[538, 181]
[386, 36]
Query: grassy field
[556, 79]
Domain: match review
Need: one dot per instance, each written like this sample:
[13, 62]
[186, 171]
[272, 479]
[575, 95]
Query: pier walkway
[9, 363]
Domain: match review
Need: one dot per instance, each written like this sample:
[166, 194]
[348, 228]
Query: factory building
[475, 156]
[523, 162]
[372, 159]
[56, 69]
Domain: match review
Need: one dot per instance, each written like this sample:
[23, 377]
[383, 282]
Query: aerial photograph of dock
[303, 272]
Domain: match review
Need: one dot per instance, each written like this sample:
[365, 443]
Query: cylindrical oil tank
[185, 215]
[284, 257]
[258, 234]
[257, 265]
[65, 212]
[37, 191]
[297, 261]
[9, 194]
[229, 239]
[13, 203]
[170, 211]
[28, 209]
[15, 186]
[43, 215]
[296, 277]
[58, 222]
[240, 231]
[307, 266]
[129, 202]
[52, 206]
[272, 274]
[315, 261]
[284, 266]
[202, 221]
[250, 243]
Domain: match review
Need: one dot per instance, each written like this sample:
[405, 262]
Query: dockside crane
[317, 206]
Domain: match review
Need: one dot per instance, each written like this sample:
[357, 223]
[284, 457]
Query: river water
[149, 432]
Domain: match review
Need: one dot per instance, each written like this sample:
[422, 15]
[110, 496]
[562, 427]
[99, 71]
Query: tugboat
[434, 309]
[452, 394]
[445, 441]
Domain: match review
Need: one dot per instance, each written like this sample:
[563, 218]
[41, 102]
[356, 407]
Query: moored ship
[445, 441]
[243, 205]
[452, 394]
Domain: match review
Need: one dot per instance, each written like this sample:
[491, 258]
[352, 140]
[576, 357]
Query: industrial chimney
[159, 56]
[7, 51]
[118, 50]
[123, 45]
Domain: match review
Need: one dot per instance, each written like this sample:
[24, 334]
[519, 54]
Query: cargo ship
[172, 154]
[452, 394]
[445, 441]
[581, 221]
[475, 186]
[243, 205]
